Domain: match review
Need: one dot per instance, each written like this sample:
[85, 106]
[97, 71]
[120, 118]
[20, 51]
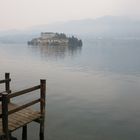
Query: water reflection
[115, 56]
[59, 52]
[93, 96]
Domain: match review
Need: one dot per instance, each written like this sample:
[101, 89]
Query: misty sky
[18, 14]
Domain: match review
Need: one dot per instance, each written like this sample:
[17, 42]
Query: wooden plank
[23, 106]
[12, 95]
[18, 119]
[4, 81]
[21, 121]
[10, 107]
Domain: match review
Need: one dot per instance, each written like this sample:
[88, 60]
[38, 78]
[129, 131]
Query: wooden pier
[13, 116]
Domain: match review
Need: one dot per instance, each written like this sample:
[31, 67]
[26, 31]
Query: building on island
[50, 38]
[47, 35]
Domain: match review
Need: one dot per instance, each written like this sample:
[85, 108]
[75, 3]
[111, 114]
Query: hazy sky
[18, 14]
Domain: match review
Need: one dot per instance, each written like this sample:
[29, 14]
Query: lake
[93, 91]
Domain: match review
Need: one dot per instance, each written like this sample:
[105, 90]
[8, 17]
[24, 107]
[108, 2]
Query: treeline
[61, 36]
[73, 41]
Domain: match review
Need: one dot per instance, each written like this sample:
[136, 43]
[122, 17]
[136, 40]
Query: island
[54, 39]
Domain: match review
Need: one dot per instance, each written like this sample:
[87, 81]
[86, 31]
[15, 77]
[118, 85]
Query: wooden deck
[20, 118]
[13, 116]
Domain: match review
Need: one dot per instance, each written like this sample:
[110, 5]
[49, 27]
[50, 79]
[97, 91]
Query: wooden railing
[7, 95]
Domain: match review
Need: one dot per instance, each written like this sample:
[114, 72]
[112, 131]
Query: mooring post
[24, 132]
[42, 107]
[5, 115]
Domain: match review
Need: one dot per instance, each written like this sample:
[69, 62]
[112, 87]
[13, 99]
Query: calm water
[93, 92]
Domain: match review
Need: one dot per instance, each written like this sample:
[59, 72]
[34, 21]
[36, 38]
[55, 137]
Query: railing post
[5, 115]
[7, 83]
[42, 107]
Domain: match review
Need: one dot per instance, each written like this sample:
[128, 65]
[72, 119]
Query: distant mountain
[16, 36]
[107, 26]
[103, 27]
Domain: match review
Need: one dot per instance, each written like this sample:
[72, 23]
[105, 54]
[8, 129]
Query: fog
[19, 14]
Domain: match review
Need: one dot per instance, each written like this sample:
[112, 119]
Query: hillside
[103, 27]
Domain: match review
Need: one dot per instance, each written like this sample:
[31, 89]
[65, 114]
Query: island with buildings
[54, 39]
